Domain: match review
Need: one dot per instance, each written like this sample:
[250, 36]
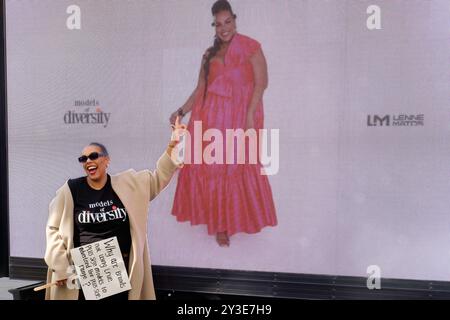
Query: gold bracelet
[172, 144]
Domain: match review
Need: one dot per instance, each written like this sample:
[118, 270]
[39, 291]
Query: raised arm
[168, 162]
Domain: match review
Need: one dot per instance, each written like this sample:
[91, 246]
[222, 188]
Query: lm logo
[373, 121]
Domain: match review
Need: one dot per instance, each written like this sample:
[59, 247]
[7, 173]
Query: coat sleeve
[161, 176]
[56, 251]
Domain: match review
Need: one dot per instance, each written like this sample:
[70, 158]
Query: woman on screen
[228, 198]
[99, 206]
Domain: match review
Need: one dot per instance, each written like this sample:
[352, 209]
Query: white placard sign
[100, 269]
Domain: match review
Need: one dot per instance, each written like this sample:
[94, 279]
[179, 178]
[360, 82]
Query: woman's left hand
[178, 130]
[250, 122]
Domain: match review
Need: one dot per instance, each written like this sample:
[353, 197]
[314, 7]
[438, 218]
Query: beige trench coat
[135, 190]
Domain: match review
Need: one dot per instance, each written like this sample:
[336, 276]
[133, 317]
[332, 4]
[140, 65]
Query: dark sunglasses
[92, 156]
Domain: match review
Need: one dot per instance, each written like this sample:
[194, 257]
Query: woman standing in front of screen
[99, 206]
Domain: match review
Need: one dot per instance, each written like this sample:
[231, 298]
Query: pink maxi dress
[226, 197]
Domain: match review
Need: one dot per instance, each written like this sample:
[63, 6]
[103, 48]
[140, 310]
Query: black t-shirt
[99, 215]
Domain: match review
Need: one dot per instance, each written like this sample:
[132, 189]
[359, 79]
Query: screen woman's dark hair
[221, 5]
[102, 148]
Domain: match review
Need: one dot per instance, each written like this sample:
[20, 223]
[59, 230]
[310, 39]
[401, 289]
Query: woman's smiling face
[225, 24]
[95, 169]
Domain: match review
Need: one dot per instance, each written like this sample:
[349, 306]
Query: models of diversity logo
[91, 114]
[102, 215]
[237, 147]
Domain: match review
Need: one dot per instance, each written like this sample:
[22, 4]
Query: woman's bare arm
[261, 80]
[188, 105]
